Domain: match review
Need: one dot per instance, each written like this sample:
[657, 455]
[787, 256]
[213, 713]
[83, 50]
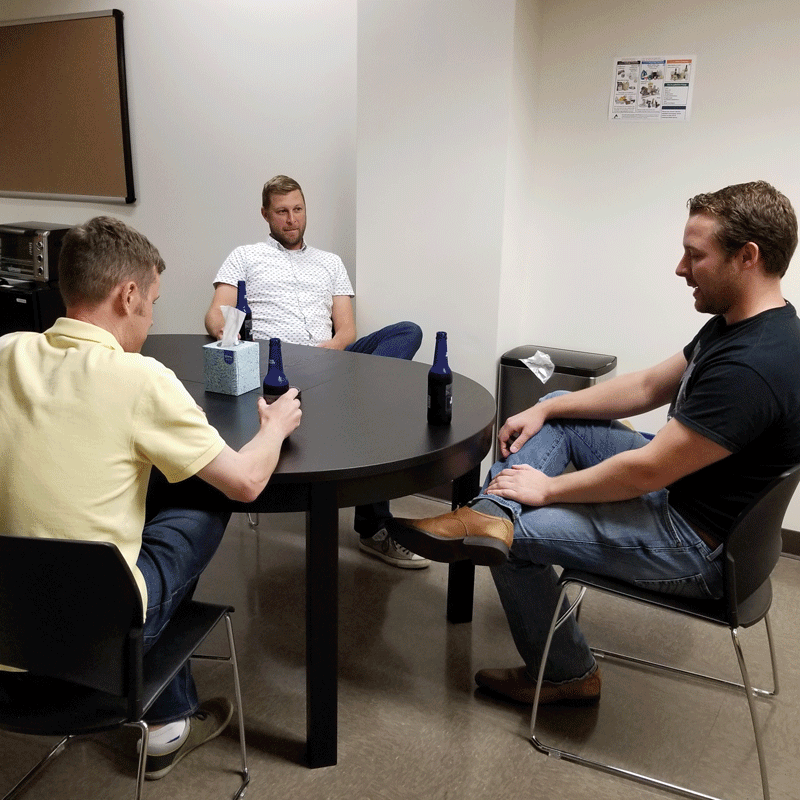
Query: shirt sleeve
[233, 269]
[341, 280]
[171, 431]
[730, 404]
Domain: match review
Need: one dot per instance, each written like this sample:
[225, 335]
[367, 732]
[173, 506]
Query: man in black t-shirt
[653, 512]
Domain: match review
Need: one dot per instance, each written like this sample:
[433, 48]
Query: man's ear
[125, 296]
[750, 255]
[264, 212]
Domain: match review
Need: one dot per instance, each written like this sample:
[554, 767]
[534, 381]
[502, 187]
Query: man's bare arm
[243, 475]
[344, 324]
[224, 295]
[624, 396]
[676, 451]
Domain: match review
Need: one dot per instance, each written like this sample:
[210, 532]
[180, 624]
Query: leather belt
[710, 540]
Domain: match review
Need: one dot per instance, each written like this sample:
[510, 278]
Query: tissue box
[231, 370]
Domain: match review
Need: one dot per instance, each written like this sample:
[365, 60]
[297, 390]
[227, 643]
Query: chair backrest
[70, 610]
[754, 544]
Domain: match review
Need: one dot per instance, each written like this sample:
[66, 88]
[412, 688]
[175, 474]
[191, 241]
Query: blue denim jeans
[400, 340]
[177, 545]
[642, 541]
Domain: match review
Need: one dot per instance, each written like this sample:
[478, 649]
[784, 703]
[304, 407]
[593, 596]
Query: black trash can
[518, 388]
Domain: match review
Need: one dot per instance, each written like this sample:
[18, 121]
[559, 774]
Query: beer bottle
[246, 331]
[275, 382]
[440, 385]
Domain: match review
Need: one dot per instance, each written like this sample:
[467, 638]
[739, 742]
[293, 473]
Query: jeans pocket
[693, 586]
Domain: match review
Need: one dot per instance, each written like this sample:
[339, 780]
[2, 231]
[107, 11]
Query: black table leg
[322, 621]
[461, 575]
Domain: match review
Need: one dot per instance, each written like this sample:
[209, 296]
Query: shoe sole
[400, 563]
[573, 702]
[481, 550]
[155, 775]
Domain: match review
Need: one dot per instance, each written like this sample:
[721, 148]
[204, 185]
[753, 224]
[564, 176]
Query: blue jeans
[401, 340]
[642, 541]
[177, 545]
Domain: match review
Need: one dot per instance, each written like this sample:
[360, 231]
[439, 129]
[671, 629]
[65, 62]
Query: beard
[289, 239]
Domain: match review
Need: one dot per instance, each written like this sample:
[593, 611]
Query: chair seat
[185, 632]
[750, 611]
[51, 707]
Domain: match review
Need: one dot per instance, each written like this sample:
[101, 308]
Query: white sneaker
[387, 549]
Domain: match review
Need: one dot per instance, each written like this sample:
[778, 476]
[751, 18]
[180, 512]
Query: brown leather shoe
[514, 684]
[456, 536]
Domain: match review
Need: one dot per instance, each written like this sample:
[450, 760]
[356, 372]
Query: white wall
[434, 83]
[611, 198]
[222, 97]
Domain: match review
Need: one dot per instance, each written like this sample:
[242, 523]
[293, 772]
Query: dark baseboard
[791, 542]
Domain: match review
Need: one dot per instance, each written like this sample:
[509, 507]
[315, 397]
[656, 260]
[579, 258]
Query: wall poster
[654, 89]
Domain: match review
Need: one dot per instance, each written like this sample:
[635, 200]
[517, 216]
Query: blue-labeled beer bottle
[275, 382]
[246, 331]
[440, 385]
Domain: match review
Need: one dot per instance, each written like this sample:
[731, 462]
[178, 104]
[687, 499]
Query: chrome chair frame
[71, 619]
[771, 504]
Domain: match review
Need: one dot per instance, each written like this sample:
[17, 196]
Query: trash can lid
[567, 362]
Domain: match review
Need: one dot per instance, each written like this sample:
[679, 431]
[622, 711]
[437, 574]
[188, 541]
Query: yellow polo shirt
[81, 424]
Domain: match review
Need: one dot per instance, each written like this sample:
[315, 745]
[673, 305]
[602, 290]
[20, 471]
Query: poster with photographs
[654, 89]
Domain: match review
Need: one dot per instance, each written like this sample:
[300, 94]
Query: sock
[490, 507]
[166, 739]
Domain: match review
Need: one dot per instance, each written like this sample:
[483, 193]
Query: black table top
[364, 424]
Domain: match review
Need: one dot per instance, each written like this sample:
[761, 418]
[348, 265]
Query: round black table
[363, 438]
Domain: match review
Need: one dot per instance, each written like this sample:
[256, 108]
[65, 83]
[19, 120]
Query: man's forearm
[623, 396]
[215, 322]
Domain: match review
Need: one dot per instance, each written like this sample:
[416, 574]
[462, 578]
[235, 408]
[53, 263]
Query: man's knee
[413, 333]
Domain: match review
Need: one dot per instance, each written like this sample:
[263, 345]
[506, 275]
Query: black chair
[749, 556]
[71, 616]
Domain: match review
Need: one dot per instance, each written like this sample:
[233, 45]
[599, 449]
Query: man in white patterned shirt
[301, 295]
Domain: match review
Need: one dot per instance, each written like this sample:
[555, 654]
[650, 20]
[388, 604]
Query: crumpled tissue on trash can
[540, 365]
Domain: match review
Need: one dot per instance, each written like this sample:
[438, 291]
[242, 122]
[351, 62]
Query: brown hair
[101, 254]
[280, 184]
[752, 212]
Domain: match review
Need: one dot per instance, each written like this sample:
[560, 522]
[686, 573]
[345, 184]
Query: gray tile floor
[411, 724]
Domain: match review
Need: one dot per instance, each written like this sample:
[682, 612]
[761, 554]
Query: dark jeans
[401, 340]
[177, 545]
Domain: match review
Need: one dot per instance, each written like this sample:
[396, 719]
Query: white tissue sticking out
[233, 323]
[540, 365]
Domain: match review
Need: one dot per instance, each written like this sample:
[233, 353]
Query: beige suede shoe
[514, 684]
[456, 536]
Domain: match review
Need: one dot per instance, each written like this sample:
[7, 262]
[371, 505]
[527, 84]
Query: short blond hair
[280, 184]
[101, 254]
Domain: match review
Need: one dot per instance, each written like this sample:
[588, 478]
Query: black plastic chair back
[70, 610]
[754, 544]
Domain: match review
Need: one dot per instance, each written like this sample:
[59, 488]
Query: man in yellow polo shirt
[83, 419]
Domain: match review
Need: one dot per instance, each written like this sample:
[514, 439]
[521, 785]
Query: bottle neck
[440, 354]
[241, 297]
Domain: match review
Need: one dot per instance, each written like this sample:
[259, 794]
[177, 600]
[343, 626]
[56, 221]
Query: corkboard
[63, 109]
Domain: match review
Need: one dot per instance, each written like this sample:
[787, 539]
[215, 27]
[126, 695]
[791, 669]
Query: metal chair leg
[20, 785]
[762, 765]
[628, 774]
[144, 731]
[231, 659]
[238, 689]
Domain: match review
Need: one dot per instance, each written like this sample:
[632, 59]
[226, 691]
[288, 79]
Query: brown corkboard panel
[64, 130]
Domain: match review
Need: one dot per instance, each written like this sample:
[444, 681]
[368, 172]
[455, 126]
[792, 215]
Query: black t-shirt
[741, 389]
